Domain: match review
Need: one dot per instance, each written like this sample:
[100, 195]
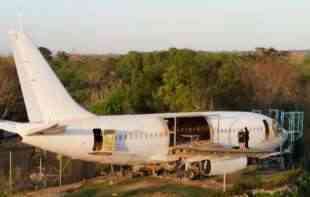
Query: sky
[118, 26]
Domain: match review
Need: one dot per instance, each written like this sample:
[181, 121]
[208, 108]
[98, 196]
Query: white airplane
[58, 124]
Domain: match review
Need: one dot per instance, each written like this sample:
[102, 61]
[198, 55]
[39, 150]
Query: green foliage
[303, 186]
[113, 103]
[277, 194]
[282, 179]
[145, 187]
[142, 79]
[176, 91]
[62, 56]
[247, 184]
[175, 190]
[175, 80]
[2, 194]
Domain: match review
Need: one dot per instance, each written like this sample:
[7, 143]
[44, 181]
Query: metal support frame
[60, 169]
[295, 126]
[292, 122]
[175, 131]
[11, 172]
[224, 182]
[40, 167]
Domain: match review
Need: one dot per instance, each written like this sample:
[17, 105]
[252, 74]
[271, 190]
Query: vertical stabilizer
[45, 97]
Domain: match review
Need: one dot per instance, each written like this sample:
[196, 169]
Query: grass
[261, 180]
[175, 190]
[282, 178]
[2, 194]
[144, 187]
[244, 181]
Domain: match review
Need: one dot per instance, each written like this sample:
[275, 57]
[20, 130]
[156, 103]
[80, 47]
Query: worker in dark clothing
[241, 139]
[1, 136]
[247, 137]
[179, 170]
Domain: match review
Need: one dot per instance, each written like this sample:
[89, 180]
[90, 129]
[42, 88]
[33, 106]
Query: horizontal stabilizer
[28, 129]
[47, 130]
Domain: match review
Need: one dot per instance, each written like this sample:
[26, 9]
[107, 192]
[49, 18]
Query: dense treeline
[172, 80]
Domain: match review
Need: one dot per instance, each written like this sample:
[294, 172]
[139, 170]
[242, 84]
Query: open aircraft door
[104, 142]
[109, 141]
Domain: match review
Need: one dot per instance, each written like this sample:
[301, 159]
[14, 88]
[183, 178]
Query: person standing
[179, 168]
[247, 137]
[241, 139]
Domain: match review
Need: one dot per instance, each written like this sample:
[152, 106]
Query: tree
[11, 102]
[274, 82]
[180, 81]
[61, 55]
[115, 102]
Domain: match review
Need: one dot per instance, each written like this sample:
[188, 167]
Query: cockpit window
[267, 129]
[276, 128]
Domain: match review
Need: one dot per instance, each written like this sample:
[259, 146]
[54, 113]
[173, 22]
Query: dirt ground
[162, 186]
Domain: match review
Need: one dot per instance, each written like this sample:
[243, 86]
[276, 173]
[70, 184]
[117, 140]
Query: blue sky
[116, 26]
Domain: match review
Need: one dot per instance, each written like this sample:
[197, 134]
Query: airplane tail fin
[45, 97]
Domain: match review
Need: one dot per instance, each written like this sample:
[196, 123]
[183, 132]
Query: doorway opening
[184, 130]
[98, 139]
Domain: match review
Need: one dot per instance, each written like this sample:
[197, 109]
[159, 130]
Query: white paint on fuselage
[141, 138]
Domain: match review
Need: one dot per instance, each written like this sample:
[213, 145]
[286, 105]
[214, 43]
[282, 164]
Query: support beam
[41, 164]
[224, 182]
[175, 132]
[11, 173]
[60, 170]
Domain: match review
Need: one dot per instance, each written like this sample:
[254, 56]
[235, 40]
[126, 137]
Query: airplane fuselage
[142, 138]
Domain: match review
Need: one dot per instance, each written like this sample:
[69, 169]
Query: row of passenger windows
[194, 129]
[131, 136]
[241, 129]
